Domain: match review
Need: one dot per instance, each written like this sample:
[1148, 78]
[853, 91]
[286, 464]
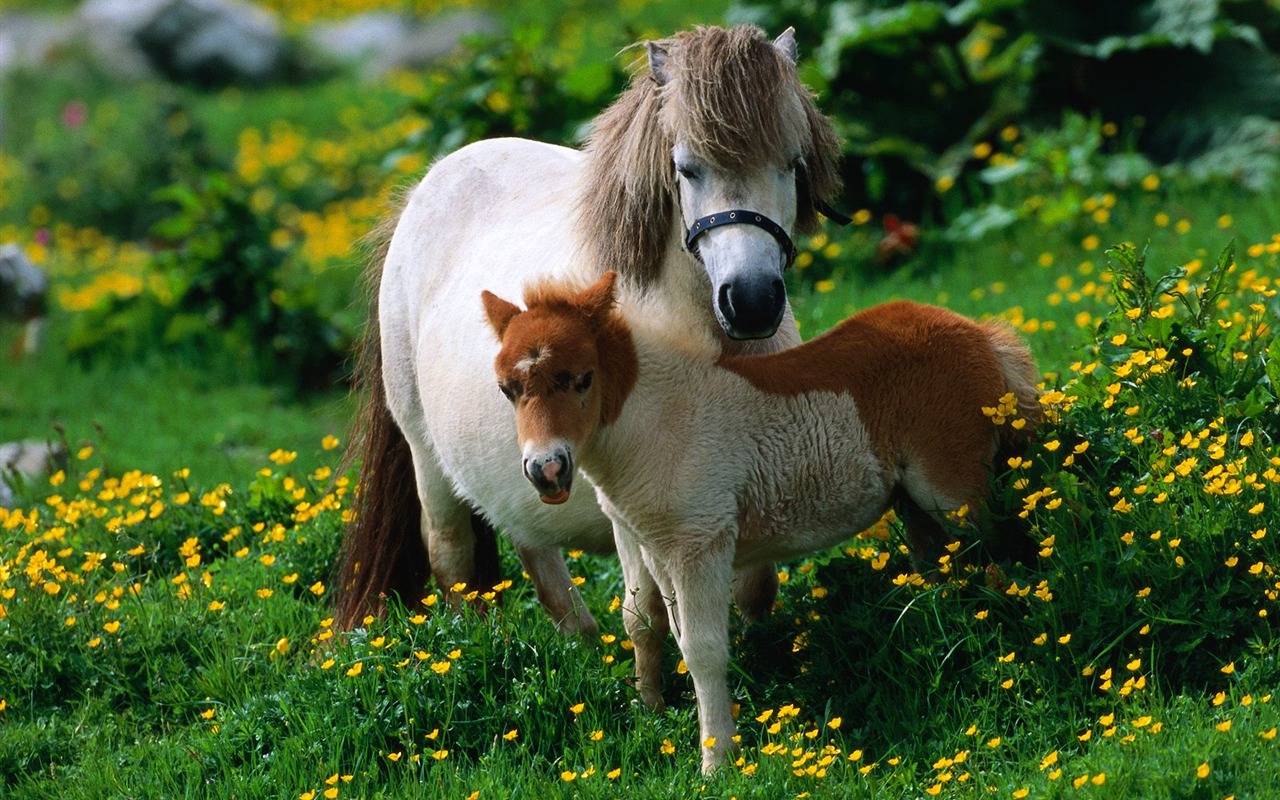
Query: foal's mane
[596, 305]
[731, 95]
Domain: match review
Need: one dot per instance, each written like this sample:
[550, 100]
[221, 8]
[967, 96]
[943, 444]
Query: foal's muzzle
[551, 474]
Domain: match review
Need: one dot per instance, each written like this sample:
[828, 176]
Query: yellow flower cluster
[53, 551]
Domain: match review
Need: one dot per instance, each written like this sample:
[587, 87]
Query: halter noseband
[739, 216]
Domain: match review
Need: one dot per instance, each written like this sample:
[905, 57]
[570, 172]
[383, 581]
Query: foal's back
[920, 376]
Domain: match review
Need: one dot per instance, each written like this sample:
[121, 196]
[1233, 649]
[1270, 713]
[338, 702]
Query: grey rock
[210, 42]
[31, 40]
[24, 288]
[25, 461]
[382, 42]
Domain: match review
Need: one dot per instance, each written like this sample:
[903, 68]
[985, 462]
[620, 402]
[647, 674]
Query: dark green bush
[916, 86]
[222, 293]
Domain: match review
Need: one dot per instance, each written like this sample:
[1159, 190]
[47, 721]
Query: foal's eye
[510, 390]
[584, 383]
[796, 164]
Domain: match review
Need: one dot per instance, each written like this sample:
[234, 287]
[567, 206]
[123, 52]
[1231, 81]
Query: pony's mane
[738, 101]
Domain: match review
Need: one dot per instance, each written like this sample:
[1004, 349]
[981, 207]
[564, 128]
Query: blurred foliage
[97, 164]
[916, 86]
[219, 288]
[517, 85]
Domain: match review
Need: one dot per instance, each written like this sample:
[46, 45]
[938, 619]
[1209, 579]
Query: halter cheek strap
[739, 216]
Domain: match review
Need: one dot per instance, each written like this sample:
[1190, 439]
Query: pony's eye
[510, 390]
[687, 172]
[584, 383]
[796, 164]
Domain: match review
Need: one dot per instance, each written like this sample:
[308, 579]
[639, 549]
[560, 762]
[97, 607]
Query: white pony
[707, 462]
[690, 187]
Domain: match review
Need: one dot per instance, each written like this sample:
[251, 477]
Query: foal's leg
[644, 615]
[556, 592]
[926, 538]
[701, 582]
[929, 492]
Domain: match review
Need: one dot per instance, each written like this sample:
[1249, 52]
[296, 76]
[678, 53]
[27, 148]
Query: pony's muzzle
[751, 309]
[551, 474]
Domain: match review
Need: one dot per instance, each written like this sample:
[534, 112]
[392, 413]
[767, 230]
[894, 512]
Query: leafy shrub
[94, 154]
[514, 86]
[224, 291]
[916, 86]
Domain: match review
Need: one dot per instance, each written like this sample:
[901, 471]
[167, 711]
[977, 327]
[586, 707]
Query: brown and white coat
[707, 463]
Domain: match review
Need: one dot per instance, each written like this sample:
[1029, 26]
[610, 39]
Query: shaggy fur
[498, 214]
[720, 462]
[719, 82]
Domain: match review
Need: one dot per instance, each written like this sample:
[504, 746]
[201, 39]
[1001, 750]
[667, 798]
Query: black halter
[739, 216]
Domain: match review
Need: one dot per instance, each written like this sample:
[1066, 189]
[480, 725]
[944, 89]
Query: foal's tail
[1020, 377]
[382, 549]
[1009, 538]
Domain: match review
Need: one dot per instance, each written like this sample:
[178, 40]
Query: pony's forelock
[736, 100]
[732, 97]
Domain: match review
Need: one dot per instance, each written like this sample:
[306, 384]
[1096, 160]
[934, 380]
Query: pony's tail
[382, 549]
[1020, 377]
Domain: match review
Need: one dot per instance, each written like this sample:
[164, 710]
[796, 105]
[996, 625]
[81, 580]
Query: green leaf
[975, 223]
[1273, 365]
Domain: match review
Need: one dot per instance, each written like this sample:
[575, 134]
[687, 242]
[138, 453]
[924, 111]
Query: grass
[867, 681]
[161, 416]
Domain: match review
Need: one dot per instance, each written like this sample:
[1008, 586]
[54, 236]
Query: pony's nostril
[724, 300]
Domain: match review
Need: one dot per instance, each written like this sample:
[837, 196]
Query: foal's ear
[598, 299]
[499, 312]
[658, 62]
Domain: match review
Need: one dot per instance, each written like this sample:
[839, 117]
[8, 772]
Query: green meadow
[166, 594]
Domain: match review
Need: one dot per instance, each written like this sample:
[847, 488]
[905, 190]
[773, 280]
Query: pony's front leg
[556, 592]
[700, 581]
[644, 615]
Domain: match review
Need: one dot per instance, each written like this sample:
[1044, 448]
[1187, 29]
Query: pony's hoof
[652, 698]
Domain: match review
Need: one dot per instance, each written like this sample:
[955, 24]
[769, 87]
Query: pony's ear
[598, 299]
[499, 312]
[786, 44]
[658, 62]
